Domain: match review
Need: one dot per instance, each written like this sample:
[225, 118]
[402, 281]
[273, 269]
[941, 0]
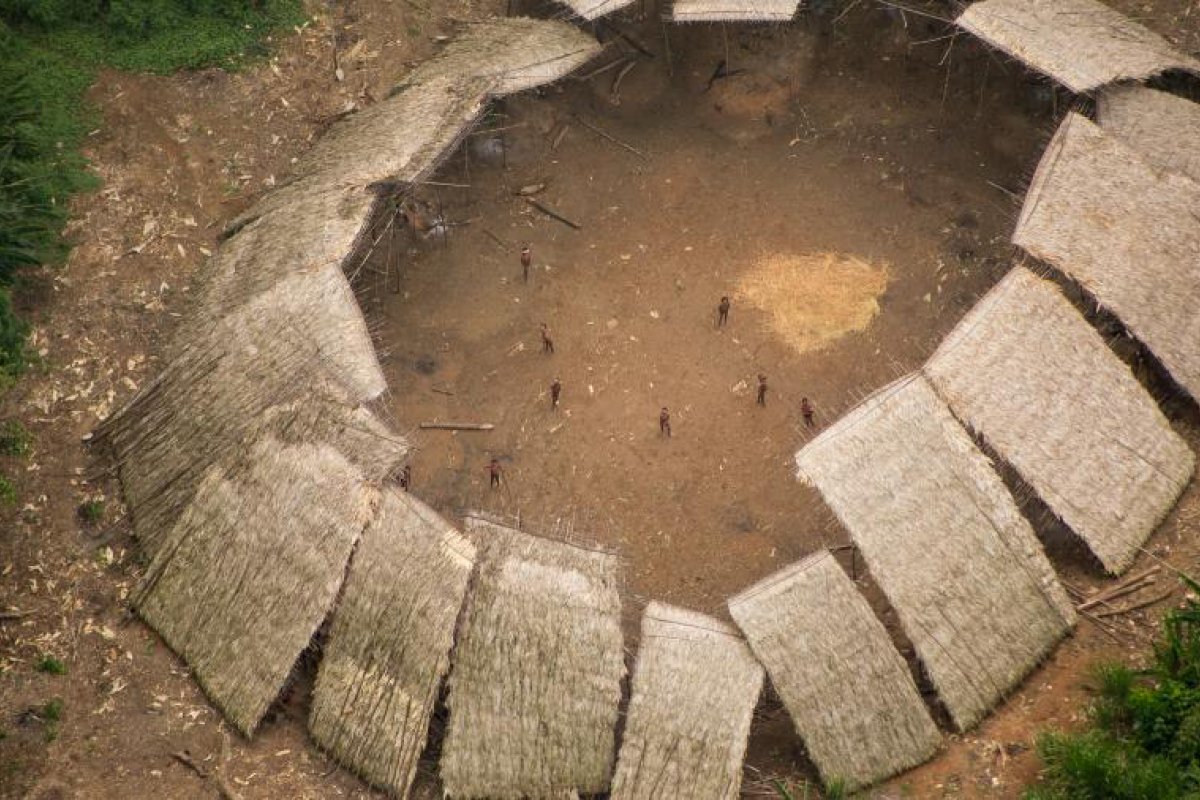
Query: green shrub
[51, 665]
[1144, 739]
[8, 492]
[52, 710]
[91, 511]
[14, 438]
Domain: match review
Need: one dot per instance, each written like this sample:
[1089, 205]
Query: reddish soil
[860, 141]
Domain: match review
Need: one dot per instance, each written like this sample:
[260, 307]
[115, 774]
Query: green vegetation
[8, 492]
[1143, 741]
[52, 711]
[52, 714]
[49, 53]
[14, 439]
[51, 665]
[91, 511]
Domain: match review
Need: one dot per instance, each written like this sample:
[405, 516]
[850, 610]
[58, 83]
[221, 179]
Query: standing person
[406, 477]
[762, 389]
[664, 422]
[723, 311]
[555, 391]
[494, 474]
[806, 410]
[526, 260]
[547, 342]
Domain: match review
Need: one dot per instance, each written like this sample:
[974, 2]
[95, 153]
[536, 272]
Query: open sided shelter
[537, 671]
[1082, 44]
[252, 567]
[1105, 461]
[694, 689]
[733, 10]
[1128, 233]
[945, 542]
[389, 645]
[275, 361]
[1162, 128]
[848, 691]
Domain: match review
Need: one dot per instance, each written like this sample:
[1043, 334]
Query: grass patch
[15, 438]
[91, 511]
[50, 51]
[52, 711]
[51, 666]
[1143, 738]
[8, 493]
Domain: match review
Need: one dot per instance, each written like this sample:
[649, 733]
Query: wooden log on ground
[456, 426]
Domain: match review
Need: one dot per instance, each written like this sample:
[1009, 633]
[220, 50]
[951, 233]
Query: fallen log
[456, 426]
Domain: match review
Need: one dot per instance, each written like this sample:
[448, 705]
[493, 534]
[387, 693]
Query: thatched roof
[313, 220]
[389, 646]
[537, 671]
[591, 9]
[694, 690]
[1162, 128]
[252, 567]
[255, 371]
[276, 358]
[849, 693]
[1128, 233]
[1106, 461]
[734, 10]
[945, 542]
[1082, 44]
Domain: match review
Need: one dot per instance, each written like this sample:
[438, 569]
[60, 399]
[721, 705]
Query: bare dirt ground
[858, 139]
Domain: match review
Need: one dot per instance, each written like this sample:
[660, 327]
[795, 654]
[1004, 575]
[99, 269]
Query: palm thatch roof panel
[1162, 128]
[944, 540]
[300, 227]
[694, 690]
[1106, 460]
[594, 9]
[389, 644]
[511, 55]
[734, 10]
[537, 672]
[1082, 44]
[1128, 233]
[256, 370]
[255, 563]
[849, 693]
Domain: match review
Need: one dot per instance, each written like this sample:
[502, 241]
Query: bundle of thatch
[1082, 44]
[1128, 233]
[1163, 128]
[945, 542]
[694, 690]
[734, 10]
[849, 693]
[593, 9]
[252, 567]
[389, 646]
[537, 671]
[1105, 460]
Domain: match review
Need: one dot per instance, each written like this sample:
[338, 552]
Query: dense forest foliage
[49, 53]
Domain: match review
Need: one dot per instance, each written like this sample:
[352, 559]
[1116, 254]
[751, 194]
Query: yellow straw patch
[810, 300]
